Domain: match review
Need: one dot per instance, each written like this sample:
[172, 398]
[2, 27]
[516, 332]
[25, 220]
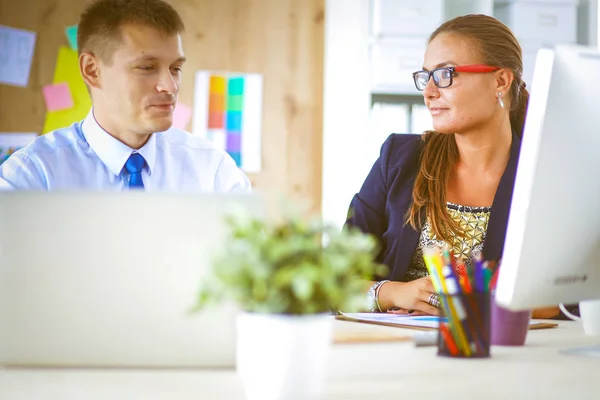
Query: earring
[500, 99]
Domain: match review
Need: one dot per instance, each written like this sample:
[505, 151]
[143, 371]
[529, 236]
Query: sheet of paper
[67, 70]
[71, 32]
[424, 321]
[57, 97]
[13, 141]
[16, 53]
[181, 116]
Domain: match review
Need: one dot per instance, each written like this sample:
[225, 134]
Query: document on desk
[423, 322]
[399, 320]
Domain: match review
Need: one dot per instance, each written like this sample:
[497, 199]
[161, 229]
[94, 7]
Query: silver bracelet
[377, 294]
[373, 296]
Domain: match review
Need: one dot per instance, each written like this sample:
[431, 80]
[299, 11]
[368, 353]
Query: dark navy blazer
[380, 207]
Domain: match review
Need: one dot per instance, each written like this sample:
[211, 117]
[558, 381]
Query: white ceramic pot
[283, 357]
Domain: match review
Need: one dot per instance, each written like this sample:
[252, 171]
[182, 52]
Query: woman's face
[471, 100]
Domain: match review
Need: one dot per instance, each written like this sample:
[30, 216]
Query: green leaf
[303, 287]
[294, 266]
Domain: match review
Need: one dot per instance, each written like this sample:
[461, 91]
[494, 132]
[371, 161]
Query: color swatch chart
[225, 113]
[228, 112]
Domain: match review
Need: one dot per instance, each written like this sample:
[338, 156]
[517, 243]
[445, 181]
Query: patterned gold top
[474, 222]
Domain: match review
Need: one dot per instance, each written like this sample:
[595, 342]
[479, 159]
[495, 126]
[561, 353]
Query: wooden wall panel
[281, 39]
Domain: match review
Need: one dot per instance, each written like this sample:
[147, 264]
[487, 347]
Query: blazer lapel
[409, 239]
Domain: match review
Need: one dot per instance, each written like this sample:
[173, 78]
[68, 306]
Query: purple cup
[509, 328]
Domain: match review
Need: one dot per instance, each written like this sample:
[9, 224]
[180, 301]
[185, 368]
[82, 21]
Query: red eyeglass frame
[474, 68]
[477, 68]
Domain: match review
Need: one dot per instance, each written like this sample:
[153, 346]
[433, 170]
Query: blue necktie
[135, 165]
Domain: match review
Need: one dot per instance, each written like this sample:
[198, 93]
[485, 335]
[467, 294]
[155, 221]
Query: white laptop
[107, 279]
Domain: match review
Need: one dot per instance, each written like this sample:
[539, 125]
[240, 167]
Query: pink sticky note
[181, 116]
[57, 96]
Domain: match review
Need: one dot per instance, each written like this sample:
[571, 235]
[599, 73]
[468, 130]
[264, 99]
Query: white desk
[359, 371]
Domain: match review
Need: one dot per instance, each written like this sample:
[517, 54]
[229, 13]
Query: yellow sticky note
[67, 70]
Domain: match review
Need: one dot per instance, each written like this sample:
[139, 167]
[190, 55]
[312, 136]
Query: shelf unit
[399, 30]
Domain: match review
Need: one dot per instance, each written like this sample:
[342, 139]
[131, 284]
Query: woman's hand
[408, 296]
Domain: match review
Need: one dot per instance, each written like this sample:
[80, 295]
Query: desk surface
[358, 371]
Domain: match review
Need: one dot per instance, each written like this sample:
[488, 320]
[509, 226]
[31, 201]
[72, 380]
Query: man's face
[139, 83]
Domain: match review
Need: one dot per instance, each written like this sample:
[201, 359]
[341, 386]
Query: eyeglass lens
[442, 77]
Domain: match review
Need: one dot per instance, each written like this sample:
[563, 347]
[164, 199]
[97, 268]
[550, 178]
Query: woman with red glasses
[452, 185]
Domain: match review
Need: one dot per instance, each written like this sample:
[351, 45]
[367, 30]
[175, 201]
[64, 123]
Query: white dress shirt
[84, 156]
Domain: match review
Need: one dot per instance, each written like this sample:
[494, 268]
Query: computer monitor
[552, 248]
[108, 279]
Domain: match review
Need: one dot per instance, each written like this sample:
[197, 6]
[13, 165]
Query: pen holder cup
[464, 329]
[509, 328]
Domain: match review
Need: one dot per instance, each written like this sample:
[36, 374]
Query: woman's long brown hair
[498, 47]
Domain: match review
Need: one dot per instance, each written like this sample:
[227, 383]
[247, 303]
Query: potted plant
[287, 278]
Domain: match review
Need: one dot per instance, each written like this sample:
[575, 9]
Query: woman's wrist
[386, 294]
[377, 290]
[373, 296]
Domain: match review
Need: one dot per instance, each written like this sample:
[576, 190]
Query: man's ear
[504, 79]
[90, 71]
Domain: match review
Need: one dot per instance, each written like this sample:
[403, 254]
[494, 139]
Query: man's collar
[112, 152]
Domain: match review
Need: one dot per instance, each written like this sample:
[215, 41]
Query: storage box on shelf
[544, 23]
[392, 65]
[394, 18]
[400, 30]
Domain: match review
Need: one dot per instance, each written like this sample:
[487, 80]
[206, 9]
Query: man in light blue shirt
[131, 58]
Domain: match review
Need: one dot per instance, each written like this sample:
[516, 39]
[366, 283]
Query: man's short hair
[99, 29]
